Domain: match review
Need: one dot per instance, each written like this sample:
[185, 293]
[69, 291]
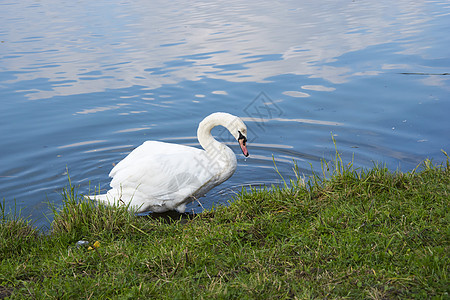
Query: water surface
[84, 83]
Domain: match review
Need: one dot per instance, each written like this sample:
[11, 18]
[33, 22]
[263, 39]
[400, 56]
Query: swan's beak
[243, 147]
[242, 142]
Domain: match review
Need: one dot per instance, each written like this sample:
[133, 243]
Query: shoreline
[365, 233]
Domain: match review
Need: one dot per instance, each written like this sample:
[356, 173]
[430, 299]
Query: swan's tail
[99, 198]
[107, 199]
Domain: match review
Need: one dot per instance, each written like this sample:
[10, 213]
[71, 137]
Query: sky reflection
[85, 52]
[108, 75]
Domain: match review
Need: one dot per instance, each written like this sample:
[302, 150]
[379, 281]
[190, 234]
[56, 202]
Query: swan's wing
[157, 173]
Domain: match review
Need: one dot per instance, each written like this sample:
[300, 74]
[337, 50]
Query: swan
[159, 177]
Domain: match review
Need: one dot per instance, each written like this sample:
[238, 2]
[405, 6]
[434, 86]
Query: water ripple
[299, 73]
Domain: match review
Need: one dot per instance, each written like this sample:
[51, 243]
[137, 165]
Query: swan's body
[159, 176]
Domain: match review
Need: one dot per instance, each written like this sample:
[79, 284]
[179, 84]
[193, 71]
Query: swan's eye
[242, 137]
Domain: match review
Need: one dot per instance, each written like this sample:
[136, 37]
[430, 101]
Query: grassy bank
[356, 234]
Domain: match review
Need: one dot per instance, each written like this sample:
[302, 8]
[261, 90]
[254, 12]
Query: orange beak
[242, 143]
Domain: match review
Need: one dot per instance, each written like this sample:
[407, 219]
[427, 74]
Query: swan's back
[159, 176]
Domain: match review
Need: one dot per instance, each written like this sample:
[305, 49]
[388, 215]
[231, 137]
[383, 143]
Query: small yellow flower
[96, 245]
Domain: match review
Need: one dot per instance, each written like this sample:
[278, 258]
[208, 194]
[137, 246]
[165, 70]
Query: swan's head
[239, 131]
[243, 143]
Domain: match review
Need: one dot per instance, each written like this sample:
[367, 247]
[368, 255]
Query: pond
[82, 83]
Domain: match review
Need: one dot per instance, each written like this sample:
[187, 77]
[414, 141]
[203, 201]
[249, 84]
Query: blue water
[82, 83]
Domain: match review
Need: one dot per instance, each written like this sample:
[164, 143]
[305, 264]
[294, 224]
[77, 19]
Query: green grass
[359, 234]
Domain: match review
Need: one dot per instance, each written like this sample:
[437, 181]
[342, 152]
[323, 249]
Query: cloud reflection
[296, 94]
[306, 121]
[152, 43]
[319, 88]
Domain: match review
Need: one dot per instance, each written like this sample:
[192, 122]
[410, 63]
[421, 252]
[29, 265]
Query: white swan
[159, 176]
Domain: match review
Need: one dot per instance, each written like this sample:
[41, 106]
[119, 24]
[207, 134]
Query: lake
[82, 83]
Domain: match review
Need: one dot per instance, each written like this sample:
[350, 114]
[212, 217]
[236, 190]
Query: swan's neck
[207, 141]
[215, 149]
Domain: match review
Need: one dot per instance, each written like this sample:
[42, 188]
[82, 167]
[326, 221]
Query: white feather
[159, 176]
